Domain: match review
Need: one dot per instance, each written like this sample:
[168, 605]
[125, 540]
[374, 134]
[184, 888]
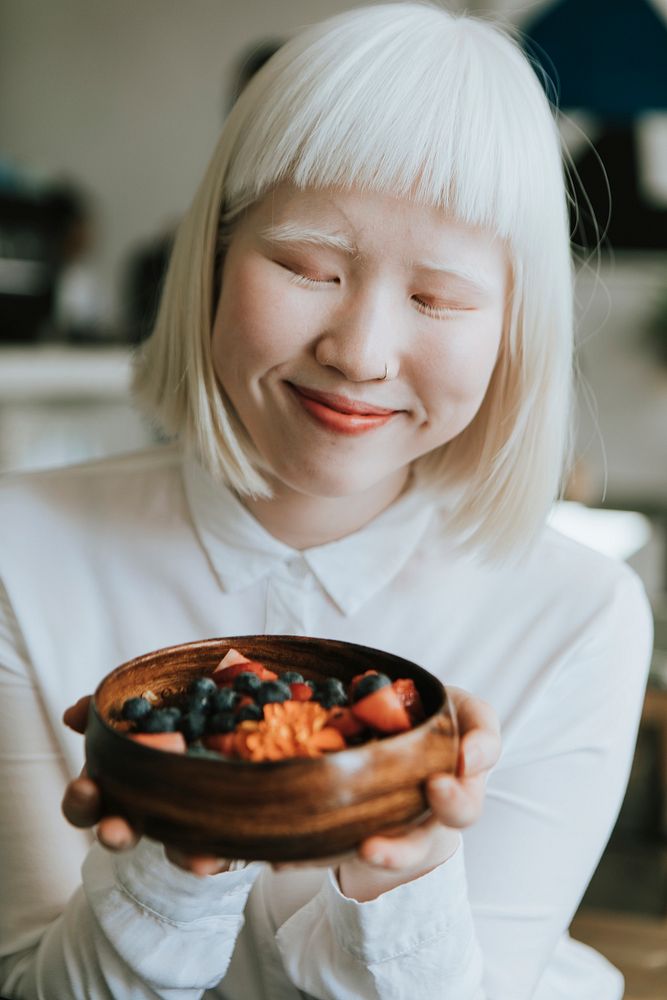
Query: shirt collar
[351, 570]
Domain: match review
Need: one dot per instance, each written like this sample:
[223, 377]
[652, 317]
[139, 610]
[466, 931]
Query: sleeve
[553, 799]
[491, 931]
[138, 927]
[417, 940]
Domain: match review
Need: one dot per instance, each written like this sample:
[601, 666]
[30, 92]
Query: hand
[386, 860]
[82, 807]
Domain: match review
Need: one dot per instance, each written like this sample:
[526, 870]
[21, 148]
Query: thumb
[76, 715]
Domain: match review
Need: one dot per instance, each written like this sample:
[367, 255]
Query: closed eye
[307, 280]
[439, 312]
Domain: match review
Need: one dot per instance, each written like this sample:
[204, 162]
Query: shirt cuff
[170, 929]
[403, 919]
[146, 874]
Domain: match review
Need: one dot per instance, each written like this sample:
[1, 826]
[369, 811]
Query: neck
[304, 521]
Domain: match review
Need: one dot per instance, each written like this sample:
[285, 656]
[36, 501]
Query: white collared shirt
[111, 559]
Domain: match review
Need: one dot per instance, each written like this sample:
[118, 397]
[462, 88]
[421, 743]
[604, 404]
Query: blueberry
[369, 684]
[271, 691]
[174, 712]
[249, 713]
[202, 686]
[247, 682]
[328, 699]
[197, 701]
[136, 708]
[330, 692]
[291, 677]
[223, 700]
[192, 725]
[161, 720]
[334, 686]
[221, 722]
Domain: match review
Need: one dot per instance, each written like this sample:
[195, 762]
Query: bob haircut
[446, 111]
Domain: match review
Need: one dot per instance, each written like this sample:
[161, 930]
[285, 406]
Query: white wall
[128, 96]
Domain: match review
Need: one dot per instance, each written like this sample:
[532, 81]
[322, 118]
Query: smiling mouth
[339, 413]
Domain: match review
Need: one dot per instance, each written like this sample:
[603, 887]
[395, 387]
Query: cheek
[256, 320]
[457, 365]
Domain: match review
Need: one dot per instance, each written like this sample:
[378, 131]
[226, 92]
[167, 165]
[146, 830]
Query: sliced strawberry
[243, 701]
[227, 674]
[383, 711]
[343, 720]
[231, 657]
[221, 743]
[327, 739]
[409, 698]
[173, 742]
[301, 692]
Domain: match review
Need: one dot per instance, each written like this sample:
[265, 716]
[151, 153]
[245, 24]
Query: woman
[364, 353]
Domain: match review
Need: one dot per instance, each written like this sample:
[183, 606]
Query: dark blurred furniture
[28, 267]
[35, 227]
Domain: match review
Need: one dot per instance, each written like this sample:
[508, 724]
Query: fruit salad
[245, 711]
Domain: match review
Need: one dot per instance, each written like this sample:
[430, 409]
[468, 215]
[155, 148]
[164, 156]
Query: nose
[360, 338]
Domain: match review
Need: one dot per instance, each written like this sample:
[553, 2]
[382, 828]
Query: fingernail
[114, 842]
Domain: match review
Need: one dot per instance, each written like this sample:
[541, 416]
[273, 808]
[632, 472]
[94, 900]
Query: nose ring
[386, 372]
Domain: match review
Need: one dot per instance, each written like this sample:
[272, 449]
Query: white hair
[443, 110]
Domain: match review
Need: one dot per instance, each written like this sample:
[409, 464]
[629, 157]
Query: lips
[339, 413]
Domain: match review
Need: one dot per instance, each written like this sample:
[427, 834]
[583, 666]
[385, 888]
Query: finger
[116, 834]
[76, 715]
[405, 851]
[197, 864]
[478, 753]
[479, 731]
[456, 802]
[81, 803]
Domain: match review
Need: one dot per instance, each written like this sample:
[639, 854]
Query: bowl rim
[446, 707]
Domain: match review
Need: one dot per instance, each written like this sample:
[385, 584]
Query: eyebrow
[291, 232]
[459, 271]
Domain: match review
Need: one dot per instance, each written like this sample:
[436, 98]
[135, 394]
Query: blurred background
[109, 112]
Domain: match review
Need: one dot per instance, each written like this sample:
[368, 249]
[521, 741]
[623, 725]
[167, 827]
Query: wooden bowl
[286, 810]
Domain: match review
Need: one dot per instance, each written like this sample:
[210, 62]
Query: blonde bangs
[436, 129]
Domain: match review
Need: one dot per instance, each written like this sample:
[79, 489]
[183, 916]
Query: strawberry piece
[172, 742]
[383, 711]
[343, 720]
[327, 739]
[301, 692]
[409, 698]
[243, 701]
[231, 657]
[226, 675]
[221, 743]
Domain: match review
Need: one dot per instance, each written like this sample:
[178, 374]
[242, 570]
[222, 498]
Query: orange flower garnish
[288, 729]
